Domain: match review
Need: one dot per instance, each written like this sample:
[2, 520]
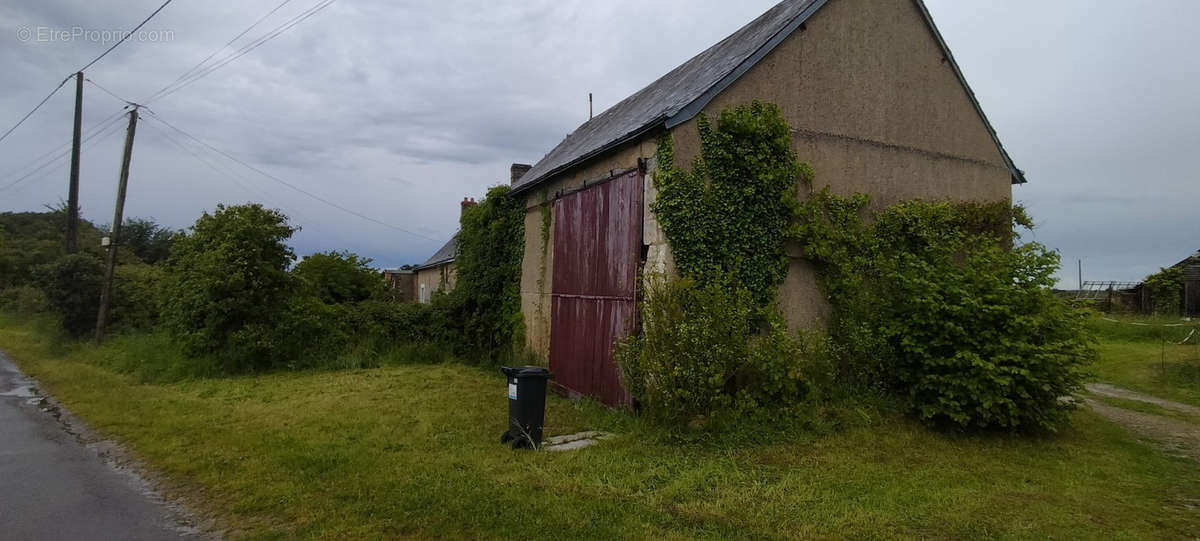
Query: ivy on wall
[727, 218]
[934, 302]
[714, 346]
[547, 220]
[486, 299]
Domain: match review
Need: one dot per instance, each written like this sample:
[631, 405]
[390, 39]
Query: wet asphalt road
[52, 486]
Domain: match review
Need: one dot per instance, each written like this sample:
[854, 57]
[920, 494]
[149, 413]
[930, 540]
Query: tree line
[230, 296]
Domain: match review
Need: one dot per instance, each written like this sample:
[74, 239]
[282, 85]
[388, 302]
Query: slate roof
[1190, 266]
[442, 256]
[682, 93]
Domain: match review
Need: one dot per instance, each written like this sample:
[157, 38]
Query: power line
[86, 66]
[64, 148]
[63, 151]
[288, 184]
[36, 107]
[109, 92]
[243, 184]
[107, 132]
[232, 176]
[244, 50]
[219, 49]
[126, 36]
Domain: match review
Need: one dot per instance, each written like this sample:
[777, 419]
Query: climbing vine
[727, 218]
[714, 345]
[485, 304]
[933, 301]
[547, 209]
[543, 317]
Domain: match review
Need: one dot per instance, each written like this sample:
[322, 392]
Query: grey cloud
[399, 109]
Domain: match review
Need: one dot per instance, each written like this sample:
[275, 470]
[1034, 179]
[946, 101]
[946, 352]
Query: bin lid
[526, 372]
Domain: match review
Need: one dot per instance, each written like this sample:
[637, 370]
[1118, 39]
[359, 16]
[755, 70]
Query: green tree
[147, 240]
[72, 285]
[1166, 290]
[229, 275]
[33, 239]
[339, 277]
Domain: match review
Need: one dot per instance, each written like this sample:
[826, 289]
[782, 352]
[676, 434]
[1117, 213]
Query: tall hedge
[486, 300]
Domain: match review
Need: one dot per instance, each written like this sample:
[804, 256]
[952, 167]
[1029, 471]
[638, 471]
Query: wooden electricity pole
[73, 189]
[114, 239]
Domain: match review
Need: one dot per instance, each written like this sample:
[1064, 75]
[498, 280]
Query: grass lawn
[413, 451]
[1148, 359]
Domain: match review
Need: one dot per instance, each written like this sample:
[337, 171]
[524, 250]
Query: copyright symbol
[24, 33]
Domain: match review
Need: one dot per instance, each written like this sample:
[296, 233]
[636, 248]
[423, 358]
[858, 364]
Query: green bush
[949, 315]
[699, 357]
[72, 285]
[339, 277]
[228, 285]
[306, 333]
[25, 300]
[34, 239]
[1166, 290]
[137, 297]
[392, 322]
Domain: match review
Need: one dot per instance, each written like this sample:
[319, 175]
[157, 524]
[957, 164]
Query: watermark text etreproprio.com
[96, 35]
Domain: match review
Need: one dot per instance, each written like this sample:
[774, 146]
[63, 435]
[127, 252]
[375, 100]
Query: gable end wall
[873, 108]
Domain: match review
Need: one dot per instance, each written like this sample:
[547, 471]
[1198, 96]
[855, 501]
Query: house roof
[1189, 260]
[442, 256]
[682, 93]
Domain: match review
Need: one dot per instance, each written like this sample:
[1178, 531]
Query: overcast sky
[398, 110]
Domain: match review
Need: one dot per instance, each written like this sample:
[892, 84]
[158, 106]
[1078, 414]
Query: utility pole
[73, 190]
[1081, 275]
[115, 235]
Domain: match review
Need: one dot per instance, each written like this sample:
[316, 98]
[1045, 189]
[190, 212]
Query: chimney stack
[467, 203]
[518, 170]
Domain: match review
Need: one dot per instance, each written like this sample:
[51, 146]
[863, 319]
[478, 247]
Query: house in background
[438, 272]
[876, 104]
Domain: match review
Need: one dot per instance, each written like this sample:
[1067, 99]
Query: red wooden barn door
[597, 251]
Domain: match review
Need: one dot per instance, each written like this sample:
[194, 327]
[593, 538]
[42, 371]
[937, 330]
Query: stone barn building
[876, 103]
